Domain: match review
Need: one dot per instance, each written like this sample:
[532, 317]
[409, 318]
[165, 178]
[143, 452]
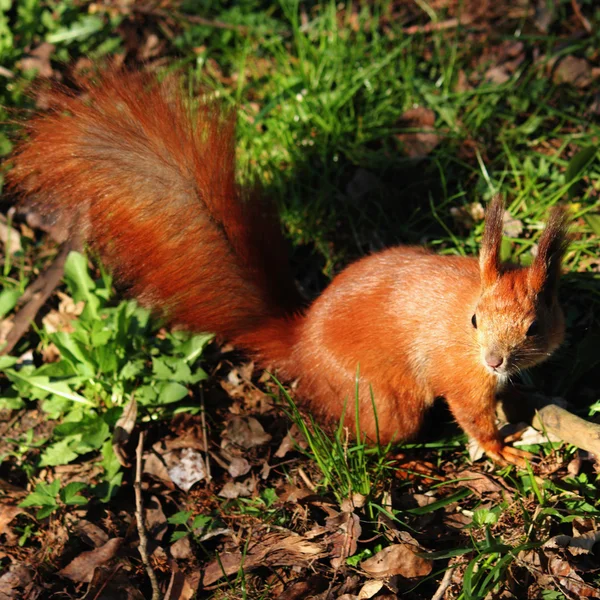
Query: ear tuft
[489, 255]
[544, 272]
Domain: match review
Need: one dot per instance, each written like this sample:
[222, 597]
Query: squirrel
[154, 180]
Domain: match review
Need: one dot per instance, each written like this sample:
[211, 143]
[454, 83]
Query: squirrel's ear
[544, 272]
[489, 255]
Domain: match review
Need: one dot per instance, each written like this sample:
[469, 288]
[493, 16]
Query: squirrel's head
[518, 321]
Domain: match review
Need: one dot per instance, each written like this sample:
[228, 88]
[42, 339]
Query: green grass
[320, 92]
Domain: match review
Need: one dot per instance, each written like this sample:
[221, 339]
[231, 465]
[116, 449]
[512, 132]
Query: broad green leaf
[594, 222]
[58, 453]
[77, 354]
[70, 493]
[180, 518]
[170, 392]
[578, 164]
[80, 284]
[7, 361]
[82, 29]
[192, 348]
[8, 300]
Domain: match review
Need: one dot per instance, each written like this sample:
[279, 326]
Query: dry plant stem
[441, 26]
[36, 295]
[582, 19]
[444, 584]
[205, 435]
[139, 517]
[568, 427]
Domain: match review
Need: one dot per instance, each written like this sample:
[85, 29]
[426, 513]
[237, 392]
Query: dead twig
[139, 517]
[568, 427]
[205, 435]
[35, 296]
[440, 26]
[581, 17]
[444, 584]
[158, 12]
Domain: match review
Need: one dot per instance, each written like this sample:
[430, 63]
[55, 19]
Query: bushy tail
[155, 182]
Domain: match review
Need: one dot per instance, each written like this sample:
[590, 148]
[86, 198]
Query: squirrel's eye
[533, 329]
[474, 321]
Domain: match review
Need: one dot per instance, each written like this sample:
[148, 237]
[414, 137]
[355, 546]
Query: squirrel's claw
[509, 455]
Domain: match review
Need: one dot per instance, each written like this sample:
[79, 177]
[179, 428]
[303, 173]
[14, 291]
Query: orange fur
[156, 181]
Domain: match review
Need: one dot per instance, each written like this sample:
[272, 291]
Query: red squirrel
[155, 183]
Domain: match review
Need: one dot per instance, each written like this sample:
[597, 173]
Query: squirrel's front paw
[503, 454]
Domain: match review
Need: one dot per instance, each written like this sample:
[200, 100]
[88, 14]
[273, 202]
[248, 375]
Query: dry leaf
[81, 569]
[13, 581]
[10, 237]
[181, 549]
[188, 470]
[579, 544]
[573, 70]
[235, 489]
[91, 533]
[238, 466]
[418, 144]
[7, 514]
[156, 521]
[397, 559]
[39, 60]
[245, 432]
[369, 589]
[479, 482]
[183, 586]
[344, 540]
[275, 549]
[123, 429]
[299, 590]
[292, 439]
[569, 579]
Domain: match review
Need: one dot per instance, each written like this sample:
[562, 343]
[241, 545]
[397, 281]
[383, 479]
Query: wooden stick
[36, 295]
[568, 427]
[139, 517]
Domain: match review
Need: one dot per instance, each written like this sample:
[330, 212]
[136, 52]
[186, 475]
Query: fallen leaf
[275, 549]
[299, 590]
[344, 539]
[511, 227]
[369, 589]
[245, 433]
[497, 75]
[183, 586]
[397, 559]
[362, 183]
[418, 144]
[569, 579]
[188, 470]
[10, 237]
[156, 521]
[238, 466]
[81, 569]
[123, 428]
[479, 482]
[91, 533]
[14, 581]
[292, 439]
[39, 60]
[573, 70]
[236, 489]
[7, 513]
[181, 549]
[579, 544]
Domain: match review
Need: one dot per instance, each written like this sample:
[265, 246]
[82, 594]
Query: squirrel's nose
[493, 360]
